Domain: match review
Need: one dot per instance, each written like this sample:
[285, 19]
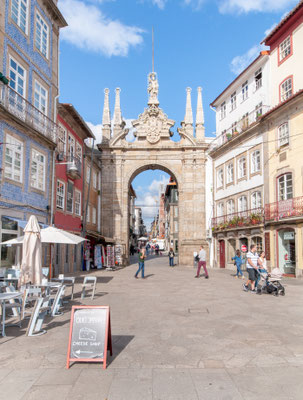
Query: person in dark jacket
[238, 261]
[171, 256]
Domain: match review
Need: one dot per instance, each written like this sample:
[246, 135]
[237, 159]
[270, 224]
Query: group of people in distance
[255, 264]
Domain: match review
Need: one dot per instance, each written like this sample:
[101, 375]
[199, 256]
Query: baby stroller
[271, 283]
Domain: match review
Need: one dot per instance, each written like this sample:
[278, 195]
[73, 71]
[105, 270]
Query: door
[222, 253]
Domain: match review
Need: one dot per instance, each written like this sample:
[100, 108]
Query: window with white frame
[245, 91]
[255, 161]
[40, 98]
[70, 197]
[77, 202]
[220, 209]
[234, 127]
[286, 89]
[256, 201]
[220, 178]
[283, 131]
[244, 121]
[233, 101]
[242, 203]
[176, 211]
[20, 13]
[38, 167]
[242, 168]
[62, 139]
[285, 48]
[94, 216]
[230, 206]
[13, 165]
[230, 173]
[258, 78]
[285, 187]
[88, 214]
[71, 147]
[60, 195]
[42, 35]
[94, 179]
[17, 77]
[223, 110]
[259, 110]
[78, 151]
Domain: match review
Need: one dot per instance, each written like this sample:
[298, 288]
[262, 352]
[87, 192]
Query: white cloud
[246, 6]
[239, 63]
[196, 4]
[89, 29]
[159, 3]
[155, 186]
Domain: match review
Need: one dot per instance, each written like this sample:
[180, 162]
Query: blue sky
[197, 43]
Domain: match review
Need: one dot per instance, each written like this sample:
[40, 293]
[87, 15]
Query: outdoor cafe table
[4, 297]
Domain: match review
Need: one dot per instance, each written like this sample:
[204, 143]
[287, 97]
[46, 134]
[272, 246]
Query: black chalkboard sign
[90, 335]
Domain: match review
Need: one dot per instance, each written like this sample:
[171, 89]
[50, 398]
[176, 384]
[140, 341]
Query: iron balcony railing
[73, 166]
[239, 219]
[26, 112]
[238, 127]
[290, 208]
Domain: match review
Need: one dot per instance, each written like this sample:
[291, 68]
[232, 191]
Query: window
[13, 165]
[77, 202]
[285, 48]
[233, 101]
[258, 78]
[40, 98]
[285, 189]
[71, 147]
[283, 134]
[220, 178]
[259, 111]
[95, 179]
[60, 195]
[223, 110]
[245, 91]
[70, 197]
[88, 214]
[176, 212]
[230, 173]
[9, 230]
[94, 216]
[220, 209]
[230, 206]
[242, 168]
[286, 89]
[256, 201]
[19, 13]
[87, 174]
[38, 166]
[255, 161]
[17, 77]
[66, 253]
[242, 203]
[176, 226]
[244, 121]
[257, 241]
[234, 127]
[41, 39]
[61, 139]
[78, 151]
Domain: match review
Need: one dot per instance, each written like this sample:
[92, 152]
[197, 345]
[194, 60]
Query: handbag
[197, 258]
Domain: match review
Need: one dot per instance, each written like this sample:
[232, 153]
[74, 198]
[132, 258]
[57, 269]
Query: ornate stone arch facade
[154, 149]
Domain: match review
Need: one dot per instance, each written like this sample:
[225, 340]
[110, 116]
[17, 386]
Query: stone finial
[106, 123]
[200, 129]
[117, 111]
[188, 119]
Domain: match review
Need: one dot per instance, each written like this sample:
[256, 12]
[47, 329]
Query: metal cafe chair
[30, 295]
[89, 283]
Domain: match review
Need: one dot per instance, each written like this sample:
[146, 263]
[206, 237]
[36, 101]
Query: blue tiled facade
[21, 199]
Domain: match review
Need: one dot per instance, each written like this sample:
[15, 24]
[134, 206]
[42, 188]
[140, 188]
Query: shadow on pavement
[120, 342]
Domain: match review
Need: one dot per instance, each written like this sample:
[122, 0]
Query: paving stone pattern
[174, 337]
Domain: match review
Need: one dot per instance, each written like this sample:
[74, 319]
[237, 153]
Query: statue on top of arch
[153, 89]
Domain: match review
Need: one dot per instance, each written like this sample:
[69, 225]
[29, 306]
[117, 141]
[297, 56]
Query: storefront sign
[89, 335]
[289, 235]
[243, 248]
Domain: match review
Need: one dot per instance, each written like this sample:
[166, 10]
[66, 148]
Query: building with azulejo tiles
[29, 49]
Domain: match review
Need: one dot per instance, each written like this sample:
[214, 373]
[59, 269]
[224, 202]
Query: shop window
[257, 241]
[9, 230]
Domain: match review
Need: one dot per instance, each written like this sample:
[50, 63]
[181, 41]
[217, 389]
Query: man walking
[202, 263]
[252, 268]
[141, 263]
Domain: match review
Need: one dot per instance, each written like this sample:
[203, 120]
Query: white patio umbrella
[143, 238]
[31, 265]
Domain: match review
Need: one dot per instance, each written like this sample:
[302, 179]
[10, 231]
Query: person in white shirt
[262, 266]
[252, 268]
[202, 263]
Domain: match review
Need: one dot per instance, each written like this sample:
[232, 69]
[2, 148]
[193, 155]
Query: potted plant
[229, 136]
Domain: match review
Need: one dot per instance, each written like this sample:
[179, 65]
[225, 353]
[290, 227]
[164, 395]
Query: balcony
[238, 127]
[286, 209]
[73, 167]
[27, 113]
[238, 220]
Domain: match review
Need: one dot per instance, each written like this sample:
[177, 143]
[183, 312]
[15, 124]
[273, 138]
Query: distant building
[132, 217]
[29, 43]
[171, 216]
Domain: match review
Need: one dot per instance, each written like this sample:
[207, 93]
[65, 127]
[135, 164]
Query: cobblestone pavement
[174, 337]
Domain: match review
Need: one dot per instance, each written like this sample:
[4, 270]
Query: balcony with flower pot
[238, 220]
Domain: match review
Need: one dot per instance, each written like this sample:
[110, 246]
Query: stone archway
[154, 149]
